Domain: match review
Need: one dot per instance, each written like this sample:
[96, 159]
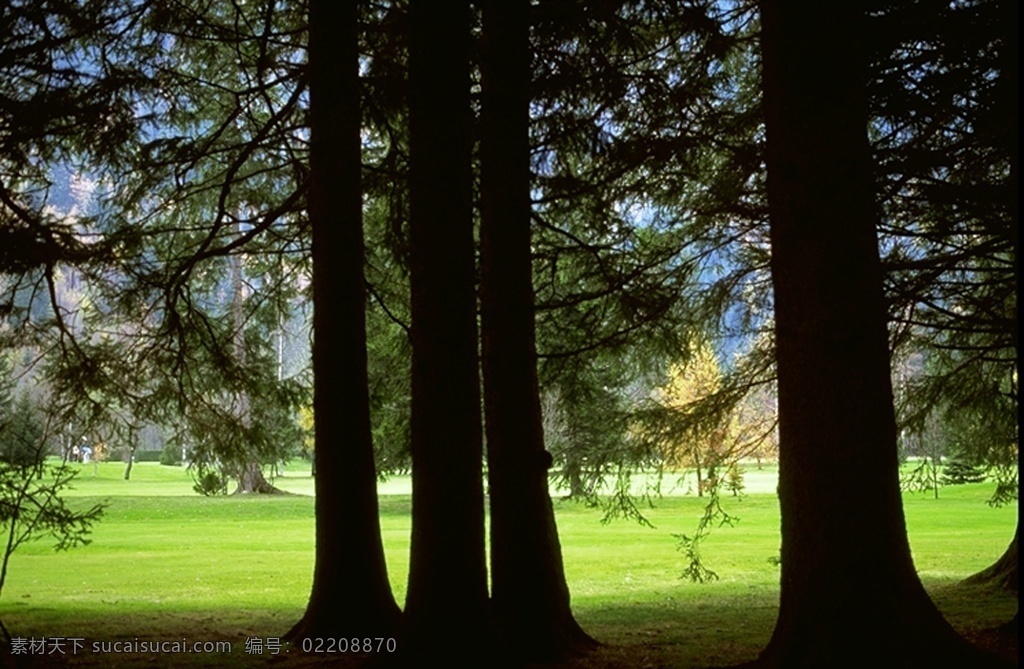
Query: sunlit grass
[167, 563]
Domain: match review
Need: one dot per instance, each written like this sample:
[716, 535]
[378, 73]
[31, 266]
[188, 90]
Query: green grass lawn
[166, 563]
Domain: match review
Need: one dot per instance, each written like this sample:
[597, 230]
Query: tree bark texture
[447, 591]
[351, 595]
[529, 595]
[849, 592]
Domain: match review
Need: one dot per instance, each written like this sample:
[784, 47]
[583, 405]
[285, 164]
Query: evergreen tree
[351, 593]
[529, 593]
[848, 592]
[23, 440]
[958, 472]
[447, 565]
[209, 196]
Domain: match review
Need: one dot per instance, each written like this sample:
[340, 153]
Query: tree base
[353, 622]
[898, 648]
[1004, 573]
[252, 481]
[548, 642]
[478, 647]
[265, 488]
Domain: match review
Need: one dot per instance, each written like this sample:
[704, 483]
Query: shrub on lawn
[209, 481]
[958, 472]
[171, 455]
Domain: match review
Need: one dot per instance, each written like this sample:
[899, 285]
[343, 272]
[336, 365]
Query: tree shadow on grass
[698, 632]
[729, 631]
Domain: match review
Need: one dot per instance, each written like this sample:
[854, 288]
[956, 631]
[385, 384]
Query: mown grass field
[168, 564]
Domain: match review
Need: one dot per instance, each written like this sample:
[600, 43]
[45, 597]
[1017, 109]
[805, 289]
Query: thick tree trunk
[351, 594]
[574, 474]
[252, 480]
[529, 595]
[447, 594]
[849, 592]
[1004, 572]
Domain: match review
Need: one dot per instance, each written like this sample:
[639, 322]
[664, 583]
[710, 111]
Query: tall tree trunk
[529, 595]
[351, 594]
[133, 445]
[849, 592]
[249, 472]
[447, 591]
[1005, 571]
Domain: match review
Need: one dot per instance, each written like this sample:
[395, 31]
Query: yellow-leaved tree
[707, 425]
[695, 438]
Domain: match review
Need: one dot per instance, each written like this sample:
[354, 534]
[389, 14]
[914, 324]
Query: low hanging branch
[31, 508]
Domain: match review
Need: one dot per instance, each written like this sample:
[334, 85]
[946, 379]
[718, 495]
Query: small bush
[171, 455]
[958, 472]
[210, 482]
[734, 480]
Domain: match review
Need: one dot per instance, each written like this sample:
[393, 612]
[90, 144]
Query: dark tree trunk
[849, 592]
[447, 592]
[1004, 572]
[529, 595]
[351, 594]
